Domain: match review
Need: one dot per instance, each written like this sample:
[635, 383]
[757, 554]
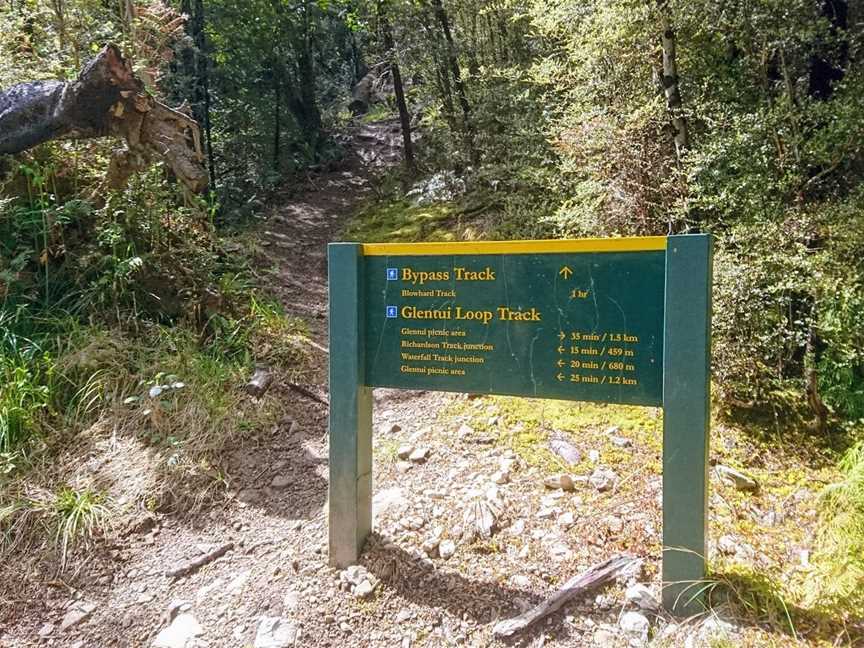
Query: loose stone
[634, 623]
[76, 613]
[419, 455]
[180, 633]
[740, 480]
[642, 597]
[446, 549]
[603, 479]
[275, 632]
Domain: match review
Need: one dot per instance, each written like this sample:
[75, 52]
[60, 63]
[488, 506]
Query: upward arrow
[565, 272]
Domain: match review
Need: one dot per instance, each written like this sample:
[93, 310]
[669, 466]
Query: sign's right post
[686, 420]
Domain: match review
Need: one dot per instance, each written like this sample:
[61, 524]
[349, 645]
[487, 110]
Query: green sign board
[606, 320]
[561, 325]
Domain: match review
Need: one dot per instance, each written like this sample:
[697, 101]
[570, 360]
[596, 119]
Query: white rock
[493, 494]
[404, 451]
[727, 545]
[738, 479]
[634, 623]
[508, 465]
[520, 580]
[546, 513]
[642, 597]
[501, 477]
[275, 632]
[604, 637]
[603, 479]
[46, 629]
[419, 455]
[354, 575]
[387, 499]
[430, 545]
[593, 456]
[180, 634]
[517, 528]
[412, 522]
[620, 442]
[566, 450]
[76, 613]
[465, 430]
[614, 524]
[280, 481]
[552, 498]
[446, 549]
[238, 582]
[403, 615]
[364, 590]
[566, 520]
[291, 600]
[557, 547]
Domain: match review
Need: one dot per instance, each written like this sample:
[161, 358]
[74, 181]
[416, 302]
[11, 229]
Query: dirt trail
[273, 588]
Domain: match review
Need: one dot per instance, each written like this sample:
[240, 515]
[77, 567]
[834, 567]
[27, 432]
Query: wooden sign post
[608, 320]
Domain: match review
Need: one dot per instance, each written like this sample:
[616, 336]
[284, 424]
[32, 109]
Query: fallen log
[259, 383]
[197, 563]
[106, 99]
[308, 393]
[596, 575]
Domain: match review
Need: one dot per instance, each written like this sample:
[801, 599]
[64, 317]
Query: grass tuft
[78, 515]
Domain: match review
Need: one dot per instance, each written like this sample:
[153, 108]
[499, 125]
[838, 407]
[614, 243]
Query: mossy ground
[400, 221]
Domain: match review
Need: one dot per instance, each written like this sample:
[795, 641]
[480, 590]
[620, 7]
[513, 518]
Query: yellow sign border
[551, 246]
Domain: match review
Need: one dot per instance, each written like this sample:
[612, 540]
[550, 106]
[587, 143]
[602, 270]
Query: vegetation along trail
[171, 172]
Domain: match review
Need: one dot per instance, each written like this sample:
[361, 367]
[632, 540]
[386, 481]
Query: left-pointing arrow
[560, 377]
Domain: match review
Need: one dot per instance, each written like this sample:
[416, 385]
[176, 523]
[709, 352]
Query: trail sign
[608, 320]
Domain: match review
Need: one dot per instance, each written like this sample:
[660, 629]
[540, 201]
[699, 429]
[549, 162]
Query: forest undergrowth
[132, 316]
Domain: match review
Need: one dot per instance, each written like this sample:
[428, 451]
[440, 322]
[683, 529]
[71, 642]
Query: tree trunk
[444, 22]
[106, 99]
[202, 85]
[670, 82]
[827, 67]
[277, 123]
[404, 116]
[310, 117]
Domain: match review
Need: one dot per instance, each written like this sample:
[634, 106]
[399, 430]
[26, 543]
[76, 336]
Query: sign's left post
[350, 496]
